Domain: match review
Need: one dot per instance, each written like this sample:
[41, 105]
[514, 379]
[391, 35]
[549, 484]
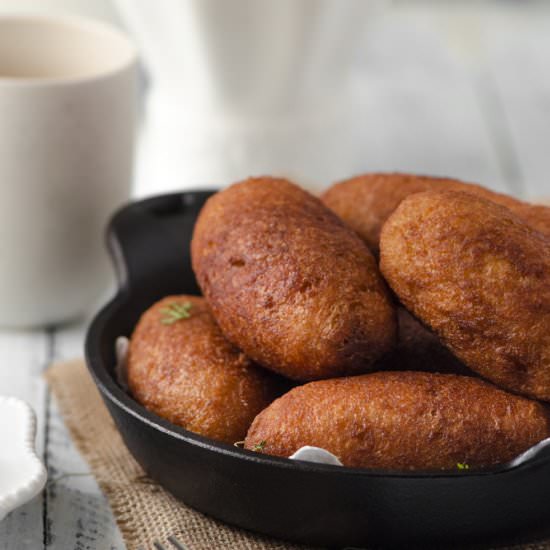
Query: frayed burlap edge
[145, 513]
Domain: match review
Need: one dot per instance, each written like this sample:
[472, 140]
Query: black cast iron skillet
[303, 502]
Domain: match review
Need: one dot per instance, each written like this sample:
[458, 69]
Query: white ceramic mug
[67, 120]
[248, 87]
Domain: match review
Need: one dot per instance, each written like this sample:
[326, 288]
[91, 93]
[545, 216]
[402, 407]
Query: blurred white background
[318, 90]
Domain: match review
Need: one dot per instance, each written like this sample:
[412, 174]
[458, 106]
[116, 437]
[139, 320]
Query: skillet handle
[149, 242]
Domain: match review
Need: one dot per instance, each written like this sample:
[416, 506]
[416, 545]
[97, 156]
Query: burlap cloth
[144, 511]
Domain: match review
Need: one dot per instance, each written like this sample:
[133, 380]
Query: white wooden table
[447, 90]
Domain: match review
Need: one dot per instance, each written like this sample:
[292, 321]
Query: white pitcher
[242, 87]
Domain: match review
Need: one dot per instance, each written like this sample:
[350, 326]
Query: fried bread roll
[479, 277]
[182, 368]
[365, 202]
[403, 421]
[289, 283]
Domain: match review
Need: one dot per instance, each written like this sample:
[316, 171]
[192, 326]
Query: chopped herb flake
[175, 312]
[259, 447]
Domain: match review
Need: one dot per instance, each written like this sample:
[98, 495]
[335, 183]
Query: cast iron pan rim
[111, 391]
[155, 203]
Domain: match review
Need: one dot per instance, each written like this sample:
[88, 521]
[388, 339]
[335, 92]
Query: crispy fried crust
[188, 373]
[419, 349]
[480, 278]
[289, 283]
[402, 420]
[365, 202]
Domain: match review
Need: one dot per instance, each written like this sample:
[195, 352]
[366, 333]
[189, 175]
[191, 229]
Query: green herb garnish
[175, 312]
[259, 447]
[462, 466]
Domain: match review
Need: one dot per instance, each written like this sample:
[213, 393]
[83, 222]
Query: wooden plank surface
[24, 356]
[459, 89]
[78, 514]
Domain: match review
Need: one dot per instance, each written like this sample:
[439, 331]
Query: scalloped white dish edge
[13, 409]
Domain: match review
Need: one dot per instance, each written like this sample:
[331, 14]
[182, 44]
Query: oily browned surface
[480, 278]
[418, 348]
[402, 420]
[289, 283]
[365, 202]
[188, 373]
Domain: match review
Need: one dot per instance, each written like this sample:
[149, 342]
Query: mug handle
[149, 240]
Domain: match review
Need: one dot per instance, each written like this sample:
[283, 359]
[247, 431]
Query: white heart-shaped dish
[22, 474]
